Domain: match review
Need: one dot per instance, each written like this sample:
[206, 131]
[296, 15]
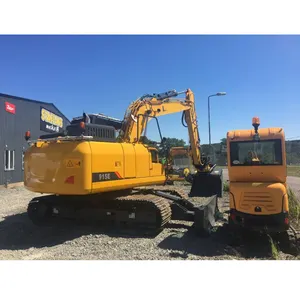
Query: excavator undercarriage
[149, 208]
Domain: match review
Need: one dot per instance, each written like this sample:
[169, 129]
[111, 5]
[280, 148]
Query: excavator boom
[143, 109]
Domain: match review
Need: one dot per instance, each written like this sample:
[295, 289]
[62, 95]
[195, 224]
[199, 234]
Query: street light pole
[209, 135]
[217, 94]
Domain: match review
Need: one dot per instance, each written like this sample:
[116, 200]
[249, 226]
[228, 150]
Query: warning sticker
[73, 163]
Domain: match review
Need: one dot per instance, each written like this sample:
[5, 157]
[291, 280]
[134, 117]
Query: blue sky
[260, 74]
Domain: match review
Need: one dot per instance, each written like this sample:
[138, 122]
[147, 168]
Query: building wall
[27, 116]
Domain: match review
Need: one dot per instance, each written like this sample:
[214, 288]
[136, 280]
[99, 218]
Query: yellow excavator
[180, 167]
[258, 189]
[90, 173]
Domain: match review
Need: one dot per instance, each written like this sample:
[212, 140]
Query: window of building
[9, 160]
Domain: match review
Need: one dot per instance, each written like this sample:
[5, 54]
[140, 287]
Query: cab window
[154, 155]
[265, 152]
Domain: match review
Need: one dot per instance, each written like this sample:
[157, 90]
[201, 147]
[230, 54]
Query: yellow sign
[51, 118]
[73, 163]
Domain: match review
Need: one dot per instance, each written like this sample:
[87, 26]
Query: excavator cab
[257, 175]
[179, 164]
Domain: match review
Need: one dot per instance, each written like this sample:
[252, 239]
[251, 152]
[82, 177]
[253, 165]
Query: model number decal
[105, 176]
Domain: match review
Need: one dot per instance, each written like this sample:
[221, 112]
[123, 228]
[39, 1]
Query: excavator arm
[146, 107]
[205, 181]
[139, 113]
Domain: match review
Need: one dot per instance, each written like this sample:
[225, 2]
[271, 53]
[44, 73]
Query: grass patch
[226, 186]
[294, 206]
[274, 248]
[293, 171]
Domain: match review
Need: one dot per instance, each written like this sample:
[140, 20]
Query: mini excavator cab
[257, 175]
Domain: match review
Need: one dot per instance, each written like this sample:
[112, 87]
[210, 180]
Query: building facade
[18, 115]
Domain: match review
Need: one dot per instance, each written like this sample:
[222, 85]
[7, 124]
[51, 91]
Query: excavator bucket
[205, 216]
[207, 184]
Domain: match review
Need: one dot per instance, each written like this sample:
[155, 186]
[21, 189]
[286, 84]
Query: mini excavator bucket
[207, 184]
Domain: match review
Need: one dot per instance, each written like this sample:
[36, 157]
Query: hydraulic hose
[183, 119]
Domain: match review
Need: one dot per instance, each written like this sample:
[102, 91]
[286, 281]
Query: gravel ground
[20, 239]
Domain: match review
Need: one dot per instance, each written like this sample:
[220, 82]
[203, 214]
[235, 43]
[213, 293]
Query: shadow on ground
[184, 243]
[220, 243]
[17, 232]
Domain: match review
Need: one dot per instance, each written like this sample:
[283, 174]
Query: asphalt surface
[293, 182]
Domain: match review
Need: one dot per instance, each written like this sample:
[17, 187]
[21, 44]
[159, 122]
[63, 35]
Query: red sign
[11, 108]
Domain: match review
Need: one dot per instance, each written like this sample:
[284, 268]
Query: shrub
[226, 186]
[294, 205]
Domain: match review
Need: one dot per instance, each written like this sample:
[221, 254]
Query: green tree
[222, 155]
[165, 146]
[173, 142]
[223, 141]
[169, 143]
[147, 141]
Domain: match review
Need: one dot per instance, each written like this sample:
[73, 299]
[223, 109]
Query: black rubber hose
[183, 118]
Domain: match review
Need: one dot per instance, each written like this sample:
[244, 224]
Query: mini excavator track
[136, 210]
[290, 241]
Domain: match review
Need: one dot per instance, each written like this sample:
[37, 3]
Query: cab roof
[264, 133]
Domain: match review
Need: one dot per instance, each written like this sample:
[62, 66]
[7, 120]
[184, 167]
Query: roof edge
[22, 98]
[34, 101]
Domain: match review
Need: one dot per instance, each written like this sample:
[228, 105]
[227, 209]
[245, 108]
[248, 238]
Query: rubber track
[170, 189]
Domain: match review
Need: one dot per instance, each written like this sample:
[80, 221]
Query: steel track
[136, 210]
